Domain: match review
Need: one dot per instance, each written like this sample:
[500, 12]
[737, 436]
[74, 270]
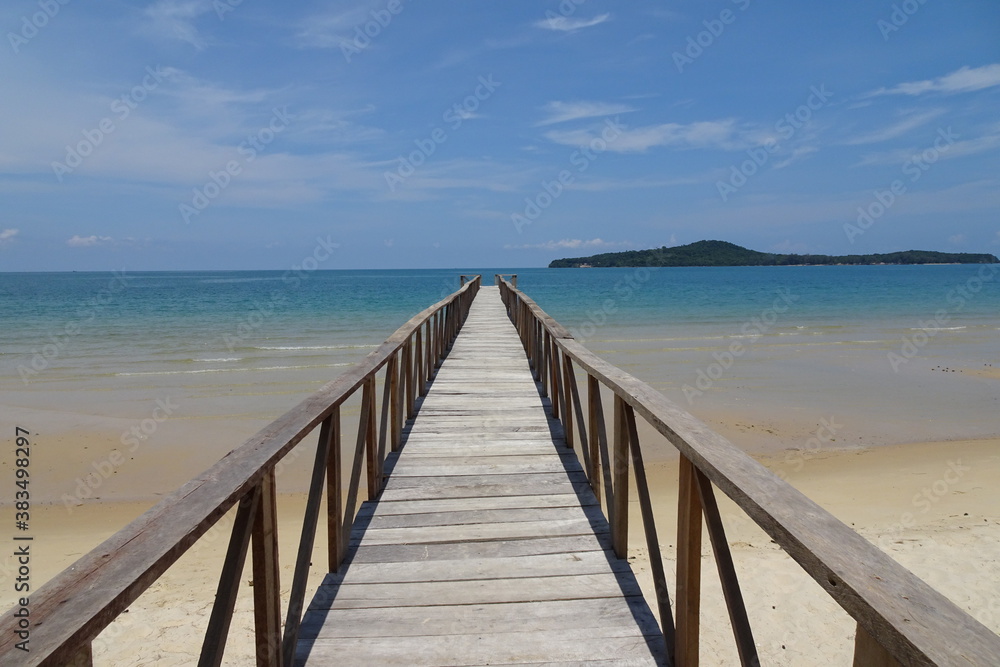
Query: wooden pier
[487, 545]
[496, 524]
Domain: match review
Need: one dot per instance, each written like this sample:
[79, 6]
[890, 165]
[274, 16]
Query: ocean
[889, 353]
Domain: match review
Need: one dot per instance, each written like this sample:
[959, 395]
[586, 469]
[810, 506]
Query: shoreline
[945, 541]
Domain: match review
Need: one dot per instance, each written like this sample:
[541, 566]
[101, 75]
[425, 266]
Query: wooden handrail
[901, 619]
[75, 606]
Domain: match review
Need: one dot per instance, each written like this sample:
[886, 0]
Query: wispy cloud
[87, 241]
[7, 235]
[571, 244]
[980, 144]
[560, 112]
[174, 19]
[568, 24]
[795, 155]
[897, 129]
[720, 134]
[331, 28]
[963, 80]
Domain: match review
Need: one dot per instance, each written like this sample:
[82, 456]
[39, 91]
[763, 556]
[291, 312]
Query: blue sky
[228, 134]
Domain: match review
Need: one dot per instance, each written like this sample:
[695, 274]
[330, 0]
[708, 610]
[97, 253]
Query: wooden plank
[484, 649]
[475, 532]
[467, 569]
[393, 508]
[483, 516]
[593, 614]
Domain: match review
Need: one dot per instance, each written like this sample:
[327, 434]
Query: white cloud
[570, 244]
[87, 241]
[963, 80]
[899, 128]
[560, 112]
[721, 134]
[7, 235]
[567, 24]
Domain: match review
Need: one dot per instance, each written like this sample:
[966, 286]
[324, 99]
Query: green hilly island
[722, 253]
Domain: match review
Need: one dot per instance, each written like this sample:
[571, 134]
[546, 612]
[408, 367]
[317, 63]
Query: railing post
[84, 657]
[688, 564]
[619, 522]
[371, 440]
[594, 418]
[334, 497]
[567, 410]
[229, 582]
[266, 576]
[303, 559]
[869, 653]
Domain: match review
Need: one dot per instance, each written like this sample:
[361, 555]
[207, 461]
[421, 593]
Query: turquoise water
[236, 349]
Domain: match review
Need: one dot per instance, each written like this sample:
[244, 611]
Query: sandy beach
[934, 507]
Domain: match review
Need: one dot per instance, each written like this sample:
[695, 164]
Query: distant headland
[722, 253]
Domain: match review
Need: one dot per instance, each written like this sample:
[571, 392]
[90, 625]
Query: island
[722, 253]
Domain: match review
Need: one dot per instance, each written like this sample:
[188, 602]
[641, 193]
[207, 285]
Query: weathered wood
[84, 657]
[483, 506]
[689, 533]
[77, 604]
[303, 559]
[594, 614]
[727, 574]
[649, 528]
[266, 577]
[869, 653]
[214, 645]
[619, 511]
[336, 536]
[914, 623]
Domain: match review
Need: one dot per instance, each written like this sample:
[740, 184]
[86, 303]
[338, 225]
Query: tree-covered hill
[722, 253]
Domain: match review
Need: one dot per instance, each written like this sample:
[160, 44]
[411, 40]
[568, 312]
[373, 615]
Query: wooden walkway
[487, 545]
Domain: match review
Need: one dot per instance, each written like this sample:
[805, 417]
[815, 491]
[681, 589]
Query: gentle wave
[230, 370]
[937, 328]
[315, 347]
[223, 359]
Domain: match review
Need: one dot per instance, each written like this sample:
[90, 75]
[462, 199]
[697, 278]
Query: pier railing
[69, 612]
[900, 619]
